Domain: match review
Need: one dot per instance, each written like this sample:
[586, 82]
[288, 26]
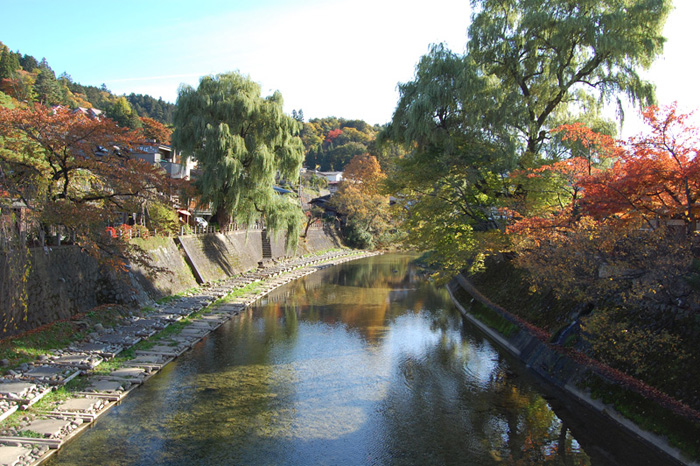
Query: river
[366, 363]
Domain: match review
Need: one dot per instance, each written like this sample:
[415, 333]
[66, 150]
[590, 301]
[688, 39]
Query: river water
[365, 363]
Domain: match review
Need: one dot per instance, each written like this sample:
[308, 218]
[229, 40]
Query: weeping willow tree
[471, 121]
[242, 142]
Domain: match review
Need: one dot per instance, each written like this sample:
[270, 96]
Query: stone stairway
[267, 250]
[266, 246]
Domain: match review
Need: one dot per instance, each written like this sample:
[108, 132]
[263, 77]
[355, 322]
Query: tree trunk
[223, 218]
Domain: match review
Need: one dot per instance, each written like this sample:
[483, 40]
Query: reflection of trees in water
[364, 296]
[483, 417]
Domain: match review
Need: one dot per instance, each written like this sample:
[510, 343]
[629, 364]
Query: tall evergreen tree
[46, 87]
[122, 113]
[28, 63]
[8, 64]
[241, 142]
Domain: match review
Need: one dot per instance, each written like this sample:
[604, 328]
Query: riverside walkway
[134, 351]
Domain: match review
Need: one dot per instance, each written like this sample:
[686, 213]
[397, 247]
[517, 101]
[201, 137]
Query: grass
[29, 434]
[47, 403]
[485, 315]
[251, 288]
[680, 432]
[173, 329]
[40, 341]
[31, 345]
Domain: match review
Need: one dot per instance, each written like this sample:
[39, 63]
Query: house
[175, 165]
[91, 113]
[332, 177]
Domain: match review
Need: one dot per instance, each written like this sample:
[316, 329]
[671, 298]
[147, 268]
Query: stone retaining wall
[60, 280]
[63, 281]
[217, 256]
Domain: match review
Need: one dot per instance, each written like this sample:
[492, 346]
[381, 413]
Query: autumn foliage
[650, 179]
[618, 242]
[361, 201]
[76, 172]
[155, 131]
[657, 177]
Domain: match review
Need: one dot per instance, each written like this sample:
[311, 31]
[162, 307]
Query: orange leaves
[75, 171]
[365, 169]
[332, 134]
[656, 176]
[156, 131]
[650, 177]
[612, 230]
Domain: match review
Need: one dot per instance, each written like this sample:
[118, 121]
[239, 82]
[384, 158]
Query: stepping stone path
[16, 390]
[152, 362]
[80, 361]
[51, 428]
[22, 393]
[64, 419]
[122, 339]
[103, 349]
[52, 375]
[106, 386]
[80, 405]
[130, 374]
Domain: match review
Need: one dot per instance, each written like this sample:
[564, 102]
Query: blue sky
[327, 57]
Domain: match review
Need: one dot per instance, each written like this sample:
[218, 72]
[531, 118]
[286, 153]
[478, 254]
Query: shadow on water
[358, 364]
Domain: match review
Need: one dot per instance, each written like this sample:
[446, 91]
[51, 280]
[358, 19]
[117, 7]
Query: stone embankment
[160, 335]
[57, 282]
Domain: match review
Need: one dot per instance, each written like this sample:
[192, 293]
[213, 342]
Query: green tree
[241, 142]
[28, 63]
[471, 120]
[8, 64]
[121, 112]
[548, 55]
[46, 87]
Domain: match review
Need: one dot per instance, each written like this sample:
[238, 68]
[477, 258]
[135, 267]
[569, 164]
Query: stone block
[51, 428]
[12, 455]
[79, 404]
[16, 389]
[105, 386]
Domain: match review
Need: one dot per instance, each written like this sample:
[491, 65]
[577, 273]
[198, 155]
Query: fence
[58, 235]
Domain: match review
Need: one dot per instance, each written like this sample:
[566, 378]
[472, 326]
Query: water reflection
[360, 364]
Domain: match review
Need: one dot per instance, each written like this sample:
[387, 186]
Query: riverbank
[577, 376]
[44, 285]
[53, 398]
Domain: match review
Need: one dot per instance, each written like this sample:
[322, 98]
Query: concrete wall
[319, 240]
[217, 256]
[172, 275]
[63, 281]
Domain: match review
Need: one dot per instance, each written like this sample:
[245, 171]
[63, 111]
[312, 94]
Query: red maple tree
[76, 172]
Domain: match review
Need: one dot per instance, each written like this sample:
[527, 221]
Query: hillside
[25, 78]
